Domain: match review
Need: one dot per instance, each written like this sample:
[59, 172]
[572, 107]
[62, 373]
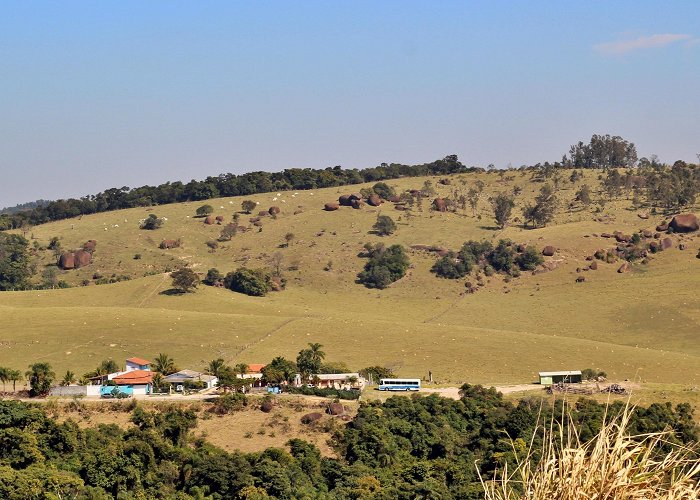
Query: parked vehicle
[399, 384]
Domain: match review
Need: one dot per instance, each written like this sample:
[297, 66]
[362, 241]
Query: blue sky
[102, 94]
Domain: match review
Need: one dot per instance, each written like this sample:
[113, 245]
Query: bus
[399, 384]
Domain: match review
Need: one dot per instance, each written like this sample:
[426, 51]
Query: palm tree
[40, 378]
[317, 355]
[106, 367]
[4, 372]
[241, 368]
[157, 381]
[164, 364]
[215, 367]
[68, 378]
[14, 376]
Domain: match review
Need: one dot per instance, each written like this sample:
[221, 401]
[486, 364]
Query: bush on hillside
[384, 226]
[204, 210]
[152, 222]
[254, 282]
[383, 190]
[385, 266]
[529, 259]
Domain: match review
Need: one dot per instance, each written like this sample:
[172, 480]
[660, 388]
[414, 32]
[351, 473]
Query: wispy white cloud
[644, 42]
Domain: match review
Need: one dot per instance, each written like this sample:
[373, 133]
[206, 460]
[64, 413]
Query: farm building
[334, 380]
[191, 377]
[254, 374]
[567, 377]
[134, 382]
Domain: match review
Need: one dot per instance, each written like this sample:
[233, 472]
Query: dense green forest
[406, 447]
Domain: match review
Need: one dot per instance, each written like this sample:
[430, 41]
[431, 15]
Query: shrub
[529, 259]
[452, 267]
[324, 393]
[213, 277]
[254, 282]
[502, 258]
[383, 190]
[152, 222]
[229, 403]
[384, 226]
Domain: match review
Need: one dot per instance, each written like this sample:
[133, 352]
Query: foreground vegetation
[426, 447]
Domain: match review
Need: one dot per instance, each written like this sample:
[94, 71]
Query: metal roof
[561, 373]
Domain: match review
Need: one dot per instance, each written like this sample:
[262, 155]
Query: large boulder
[82, 258]
[439, 205]
[329, 207]
[548, 251]
[335, 409]
[374, 200]
[219, 218]
[312, 417]
[274, 210]
[355, 196]
[394, 199]
[666, 243]
[168, 244]
[210, 219]
[357, 203]
[67, 261]
[593, 266]
[344, 200]
[662, 227]
[623, 238]
[685, 223]
[90, 245]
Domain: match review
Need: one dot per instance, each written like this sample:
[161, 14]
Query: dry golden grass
[641, 326]
[612, 465]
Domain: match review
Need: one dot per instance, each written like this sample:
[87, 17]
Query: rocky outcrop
[439, 205]
[685, 223]
[67, 261]
[374, 200]
[82, 258]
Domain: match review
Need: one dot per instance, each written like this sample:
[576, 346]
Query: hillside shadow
[172, 291]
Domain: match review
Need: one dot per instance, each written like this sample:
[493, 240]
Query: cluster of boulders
[168, 244]
[211, 219]
[79, 258]
[357, 201]
[640, 245]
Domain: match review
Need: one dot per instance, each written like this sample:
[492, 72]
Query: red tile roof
[139, 361]
[255, 368]
[134, 377]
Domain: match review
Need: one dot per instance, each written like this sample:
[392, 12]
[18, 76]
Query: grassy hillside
[641, 325]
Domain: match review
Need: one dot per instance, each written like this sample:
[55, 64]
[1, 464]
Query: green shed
[567, 377]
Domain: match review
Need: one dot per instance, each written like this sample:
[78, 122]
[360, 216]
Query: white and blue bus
[399, 384]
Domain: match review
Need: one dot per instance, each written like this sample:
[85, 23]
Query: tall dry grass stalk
[612, 465]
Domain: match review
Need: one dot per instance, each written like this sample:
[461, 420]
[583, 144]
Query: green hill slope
[644, 324]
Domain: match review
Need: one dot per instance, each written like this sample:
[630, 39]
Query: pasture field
[643, 325]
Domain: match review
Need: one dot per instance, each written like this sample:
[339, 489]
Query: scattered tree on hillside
[185, 280]
[384, 226]
[15, 268]
[40, 378]
[204, 210]
[385, 266]
[255, 282]
[228, 232]
[248, 206]
[288, 238]
[503, 205]
[603, 151]
[473, 199]
[542, 211]
[583, 195]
